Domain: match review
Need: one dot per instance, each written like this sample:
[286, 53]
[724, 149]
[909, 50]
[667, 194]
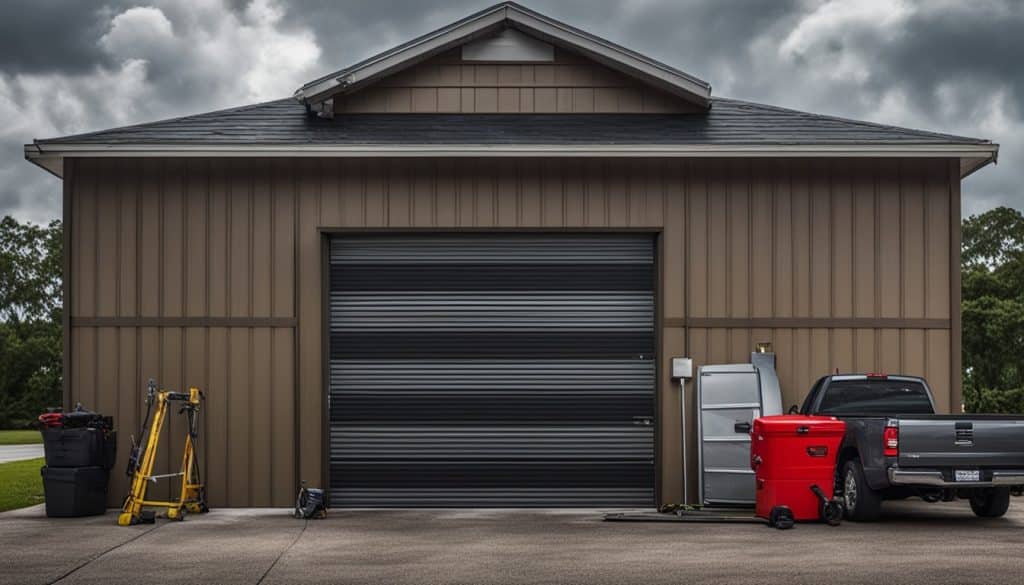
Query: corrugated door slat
[492, 370]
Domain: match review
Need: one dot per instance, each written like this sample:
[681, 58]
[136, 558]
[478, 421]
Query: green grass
[20, 484]
[26, 437]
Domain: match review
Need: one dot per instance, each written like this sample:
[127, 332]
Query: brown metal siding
[183, 271]
[827, 245]
[570, 84]
[209, 272]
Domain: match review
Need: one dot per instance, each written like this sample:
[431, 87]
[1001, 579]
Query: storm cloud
[949, 66]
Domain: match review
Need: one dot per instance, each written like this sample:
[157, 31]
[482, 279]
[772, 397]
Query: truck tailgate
[966, 441]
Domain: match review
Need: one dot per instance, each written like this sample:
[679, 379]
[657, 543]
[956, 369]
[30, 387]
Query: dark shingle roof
[729, 122]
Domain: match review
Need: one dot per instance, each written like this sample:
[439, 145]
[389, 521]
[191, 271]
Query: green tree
[992, 263]
[30, 320]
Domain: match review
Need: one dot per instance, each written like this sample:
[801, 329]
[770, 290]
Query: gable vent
[509, 45]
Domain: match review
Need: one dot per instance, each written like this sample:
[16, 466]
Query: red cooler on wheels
[791, 453]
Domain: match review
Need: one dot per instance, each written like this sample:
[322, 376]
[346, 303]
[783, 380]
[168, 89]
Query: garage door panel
[474, 405]
[385, 476]
[539, 345]
[431, 375]
[490, 312]
[490, 443]
[483, 370]
[502, 497]
[492, 249]
[488, 277]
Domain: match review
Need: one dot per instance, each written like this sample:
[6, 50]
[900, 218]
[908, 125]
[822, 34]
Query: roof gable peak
[489, 23]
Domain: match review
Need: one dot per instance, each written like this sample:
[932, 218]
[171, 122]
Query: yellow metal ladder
[192, 495]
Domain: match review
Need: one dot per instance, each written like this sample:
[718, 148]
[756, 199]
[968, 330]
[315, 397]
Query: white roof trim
[972, 156]
[528, 21]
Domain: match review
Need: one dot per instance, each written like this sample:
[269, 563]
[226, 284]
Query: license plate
[967, 475]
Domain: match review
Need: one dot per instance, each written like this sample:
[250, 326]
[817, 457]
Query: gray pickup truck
[897, 447]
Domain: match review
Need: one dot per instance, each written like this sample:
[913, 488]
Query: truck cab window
[875, 397]
[812, 396]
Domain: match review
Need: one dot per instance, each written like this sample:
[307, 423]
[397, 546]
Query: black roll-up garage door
[492, 370]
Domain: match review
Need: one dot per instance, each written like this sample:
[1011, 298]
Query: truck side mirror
[794, 409]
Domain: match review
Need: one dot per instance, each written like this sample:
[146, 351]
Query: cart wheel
[832, 513]
[781, 517]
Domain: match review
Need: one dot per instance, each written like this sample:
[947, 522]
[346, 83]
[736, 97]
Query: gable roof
[491, 20]
[730, 128]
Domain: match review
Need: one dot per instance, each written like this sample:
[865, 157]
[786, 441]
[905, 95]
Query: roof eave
[488, 21]
[52, 163]
[972, 156]
[971, 165]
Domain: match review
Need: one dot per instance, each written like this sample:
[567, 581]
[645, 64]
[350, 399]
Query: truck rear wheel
[860, 502]
[990, 502]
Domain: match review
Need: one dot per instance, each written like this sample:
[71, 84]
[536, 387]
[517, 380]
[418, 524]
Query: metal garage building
[454, 273]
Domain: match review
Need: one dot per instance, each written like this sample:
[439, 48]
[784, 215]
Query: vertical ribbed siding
[183, 271]
[830, 241]
[115, 215]
[570, 84]
[491, 371]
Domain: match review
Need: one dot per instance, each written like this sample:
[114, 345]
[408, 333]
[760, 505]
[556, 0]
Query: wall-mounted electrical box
[682, 368]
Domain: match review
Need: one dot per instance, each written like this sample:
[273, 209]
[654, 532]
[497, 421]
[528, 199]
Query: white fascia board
[606, 53]
[389, 61]
[49, 157]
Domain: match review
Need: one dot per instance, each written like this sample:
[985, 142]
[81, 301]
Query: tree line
[992, 265]
[31, 366]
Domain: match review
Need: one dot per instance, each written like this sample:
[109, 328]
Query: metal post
[682, 370]
[682, 452]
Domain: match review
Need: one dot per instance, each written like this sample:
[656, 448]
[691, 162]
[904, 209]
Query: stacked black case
[77, 470]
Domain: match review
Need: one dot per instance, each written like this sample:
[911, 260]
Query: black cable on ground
[280, 556]
[92, 559]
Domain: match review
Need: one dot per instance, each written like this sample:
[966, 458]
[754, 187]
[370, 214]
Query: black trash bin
[75, 491]
[81, 447]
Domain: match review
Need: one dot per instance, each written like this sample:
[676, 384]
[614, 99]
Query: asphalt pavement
[915, 543]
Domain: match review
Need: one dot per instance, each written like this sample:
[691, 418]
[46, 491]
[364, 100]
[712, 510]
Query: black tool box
[75, 491]
[81, 447]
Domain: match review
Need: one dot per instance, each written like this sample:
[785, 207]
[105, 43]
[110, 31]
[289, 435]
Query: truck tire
[990, 502]
[860, 502]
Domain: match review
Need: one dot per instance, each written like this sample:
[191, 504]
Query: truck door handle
[741, 427]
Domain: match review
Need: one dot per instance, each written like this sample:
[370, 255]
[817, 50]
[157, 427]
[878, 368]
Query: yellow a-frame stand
[192, 496]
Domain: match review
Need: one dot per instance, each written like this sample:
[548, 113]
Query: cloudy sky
[69, 66]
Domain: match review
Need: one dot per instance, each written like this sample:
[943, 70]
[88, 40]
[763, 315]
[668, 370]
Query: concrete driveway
[20, 452]
[916, 543]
